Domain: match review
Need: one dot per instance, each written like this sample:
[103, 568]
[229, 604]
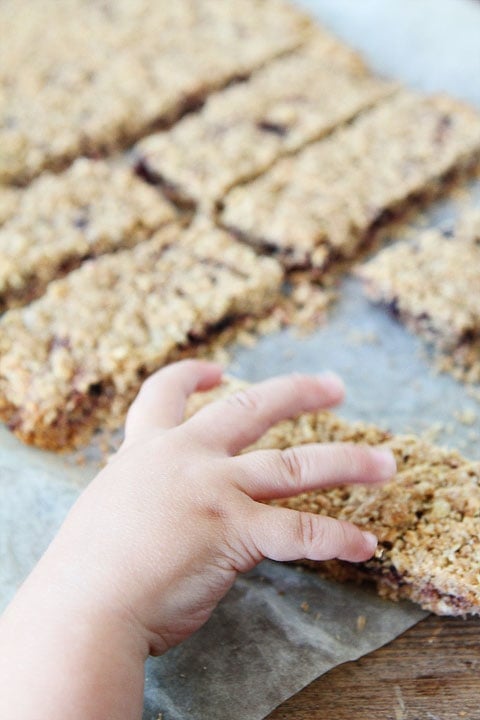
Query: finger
[267, 474]
[238, 420]
[160, 404]
[283, 534]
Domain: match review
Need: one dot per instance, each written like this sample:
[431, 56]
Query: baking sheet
[281, 627]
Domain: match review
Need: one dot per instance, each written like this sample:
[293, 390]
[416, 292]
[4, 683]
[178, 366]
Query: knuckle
[248, 399]
[292, 466]
[343, 533]
[309, 532]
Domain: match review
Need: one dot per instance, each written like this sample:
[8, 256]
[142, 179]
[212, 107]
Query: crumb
[466, 417]
[305, 606]
[431, 433]
[361, 623]
[247, 339]
[363, 337]
[305, 304]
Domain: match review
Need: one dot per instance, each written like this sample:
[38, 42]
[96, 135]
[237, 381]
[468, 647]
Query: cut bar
[62, 219]
[118, 69]
[432, 284]
[241, 131]
[74, 359]
[427, 518]
[322, 204]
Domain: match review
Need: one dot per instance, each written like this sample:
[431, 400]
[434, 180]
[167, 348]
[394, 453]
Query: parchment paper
[281, 627]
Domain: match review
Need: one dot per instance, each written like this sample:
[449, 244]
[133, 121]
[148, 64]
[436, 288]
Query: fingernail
[334, 382]
[371, 541]
[386, 464]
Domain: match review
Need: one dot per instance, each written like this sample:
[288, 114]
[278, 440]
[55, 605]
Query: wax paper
[280, 626]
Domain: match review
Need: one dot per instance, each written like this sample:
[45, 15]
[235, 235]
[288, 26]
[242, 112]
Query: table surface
[431, 672]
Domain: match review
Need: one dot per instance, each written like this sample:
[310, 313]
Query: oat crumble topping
[354, 180]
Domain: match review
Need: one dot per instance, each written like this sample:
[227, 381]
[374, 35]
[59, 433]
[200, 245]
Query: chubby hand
[157, 539]
[163, 530]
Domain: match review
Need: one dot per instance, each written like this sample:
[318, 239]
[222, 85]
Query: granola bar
[325, 202]
[74, 359]
[431, 283]
[60, 220]
[241, 131]
[115, 70]
[427, 519]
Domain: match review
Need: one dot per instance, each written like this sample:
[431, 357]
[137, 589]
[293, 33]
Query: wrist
[85, 662]
[59, 597]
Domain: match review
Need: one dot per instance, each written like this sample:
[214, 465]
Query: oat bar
[61, 219]
[74, 359]
[323, 203]
[241, 131]
[87, 77]
[427, 519]
[431, 283]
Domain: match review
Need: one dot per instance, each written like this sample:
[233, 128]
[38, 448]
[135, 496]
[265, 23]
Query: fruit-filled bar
[89, 77]
[74, 359]
[60, 220]
[324, 203]
[241, 131]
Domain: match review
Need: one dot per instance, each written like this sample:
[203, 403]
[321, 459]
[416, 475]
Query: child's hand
[158, 537]
[165, 527]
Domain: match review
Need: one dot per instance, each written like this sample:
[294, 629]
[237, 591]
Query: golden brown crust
[122, 316]
[427, 519]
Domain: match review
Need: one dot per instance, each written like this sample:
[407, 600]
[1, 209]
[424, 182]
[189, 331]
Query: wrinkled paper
[280, 627]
